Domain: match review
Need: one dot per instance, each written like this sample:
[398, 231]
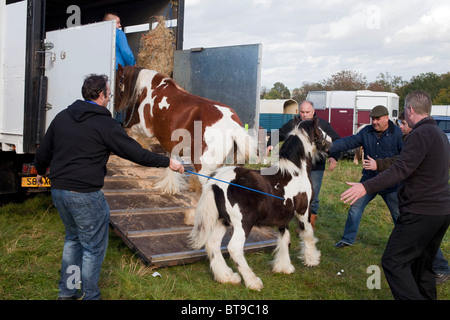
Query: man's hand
[354, 193]
[332, 163]
[176, 165]
[39, 180]
[370, 164]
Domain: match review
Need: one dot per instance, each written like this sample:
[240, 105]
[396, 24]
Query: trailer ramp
[153, 224]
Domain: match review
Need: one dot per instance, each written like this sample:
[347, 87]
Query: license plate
[31, 182]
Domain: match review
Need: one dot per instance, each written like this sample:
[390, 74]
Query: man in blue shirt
[381, 140]
[124, 55]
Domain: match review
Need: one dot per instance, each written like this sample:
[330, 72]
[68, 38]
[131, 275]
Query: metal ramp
[153, 224]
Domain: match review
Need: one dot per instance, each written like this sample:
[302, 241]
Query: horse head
[306, 141]
[126, 95]
[320, 141]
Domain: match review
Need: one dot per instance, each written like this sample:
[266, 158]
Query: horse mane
[293, 150]
[129, 95]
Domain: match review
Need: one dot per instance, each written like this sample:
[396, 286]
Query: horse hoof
[235, 278]
[232, 277]
[286, 270]
[256, 284]
[189, 217]
[311, 261]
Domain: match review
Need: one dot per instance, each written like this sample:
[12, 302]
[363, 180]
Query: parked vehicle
[348, 110]
[444, 123]
[45, 52]
[275, 113]
[440, 110]
[441, 113]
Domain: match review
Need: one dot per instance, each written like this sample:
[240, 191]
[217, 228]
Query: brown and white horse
[156, 106]
[222, 204]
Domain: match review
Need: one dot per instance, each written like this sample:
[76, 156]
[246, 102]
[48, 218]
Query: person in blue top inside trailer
[124, 55]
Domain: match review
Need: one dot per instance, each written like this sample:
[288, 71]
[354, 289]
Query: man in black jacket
[307, 112]
[424, 199]
[76, 147]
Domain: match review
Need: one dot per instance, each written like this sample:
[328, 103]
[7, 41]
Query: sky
[310, 40]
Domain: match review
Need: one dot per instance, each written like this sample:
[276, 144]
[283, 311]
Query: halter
[324, 140]
[131, 116]
[122, 89]
[121, 80]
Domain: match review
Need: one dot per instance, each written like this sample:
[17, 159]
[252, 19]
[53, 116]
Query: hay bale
[157, 49]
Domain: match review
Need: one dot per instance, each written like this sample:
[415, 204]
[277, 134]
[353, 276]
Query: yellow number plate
[31, 182]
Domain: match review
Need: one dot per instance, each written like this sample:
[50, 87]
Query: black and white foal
[222, 205]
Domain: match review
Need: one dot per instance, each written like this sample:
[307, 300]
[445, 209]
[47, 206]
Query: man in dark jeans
[77, 146]
[440, 264]
[307, 112]
[382, 139]
[424, 199]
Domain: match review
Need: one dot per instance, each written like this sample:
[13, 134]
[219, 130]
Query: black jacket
[324, 125]
[77, 146]
[422, 170]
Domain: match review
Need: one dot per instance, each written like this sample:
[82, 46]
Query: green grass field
[32, 236]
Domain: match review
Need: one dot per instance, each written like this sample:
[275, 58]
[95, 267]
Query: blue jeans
[86, 221]
[356, 211]
[316, 180]
[440, 264]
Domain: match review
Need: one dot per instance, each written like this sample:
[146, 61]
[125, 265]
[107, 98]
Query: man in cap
[383, 139]
[424, 201]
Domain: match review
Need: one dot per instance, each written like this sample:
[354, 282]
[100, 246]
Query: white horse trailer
[440, 110]
[348, 110]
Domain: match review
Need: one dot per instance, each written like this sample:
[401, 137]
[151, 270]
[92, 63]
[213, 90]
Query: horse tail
[171, 182]
[247, 146]
[206, 217]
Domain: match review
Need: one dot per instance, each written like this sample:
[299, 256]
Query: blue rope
[234, 184]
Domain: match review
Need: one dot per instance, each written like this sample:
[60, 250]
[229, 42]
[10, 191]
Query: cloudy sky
[309, 40]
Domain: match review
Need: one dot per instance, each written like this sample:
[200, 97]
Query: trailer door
[365, 104]
[77, 52]
[230, 75]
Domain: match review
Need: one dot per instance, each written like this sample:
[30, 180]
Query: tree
[263, 92]
[429, 82]
[386, 82]
[345, 80]
[279, 91]
[299, 94]
[443, 97]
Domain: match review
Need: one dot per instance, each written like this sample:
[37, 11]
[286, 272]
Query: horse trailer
[348, 110]
[45, 53]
